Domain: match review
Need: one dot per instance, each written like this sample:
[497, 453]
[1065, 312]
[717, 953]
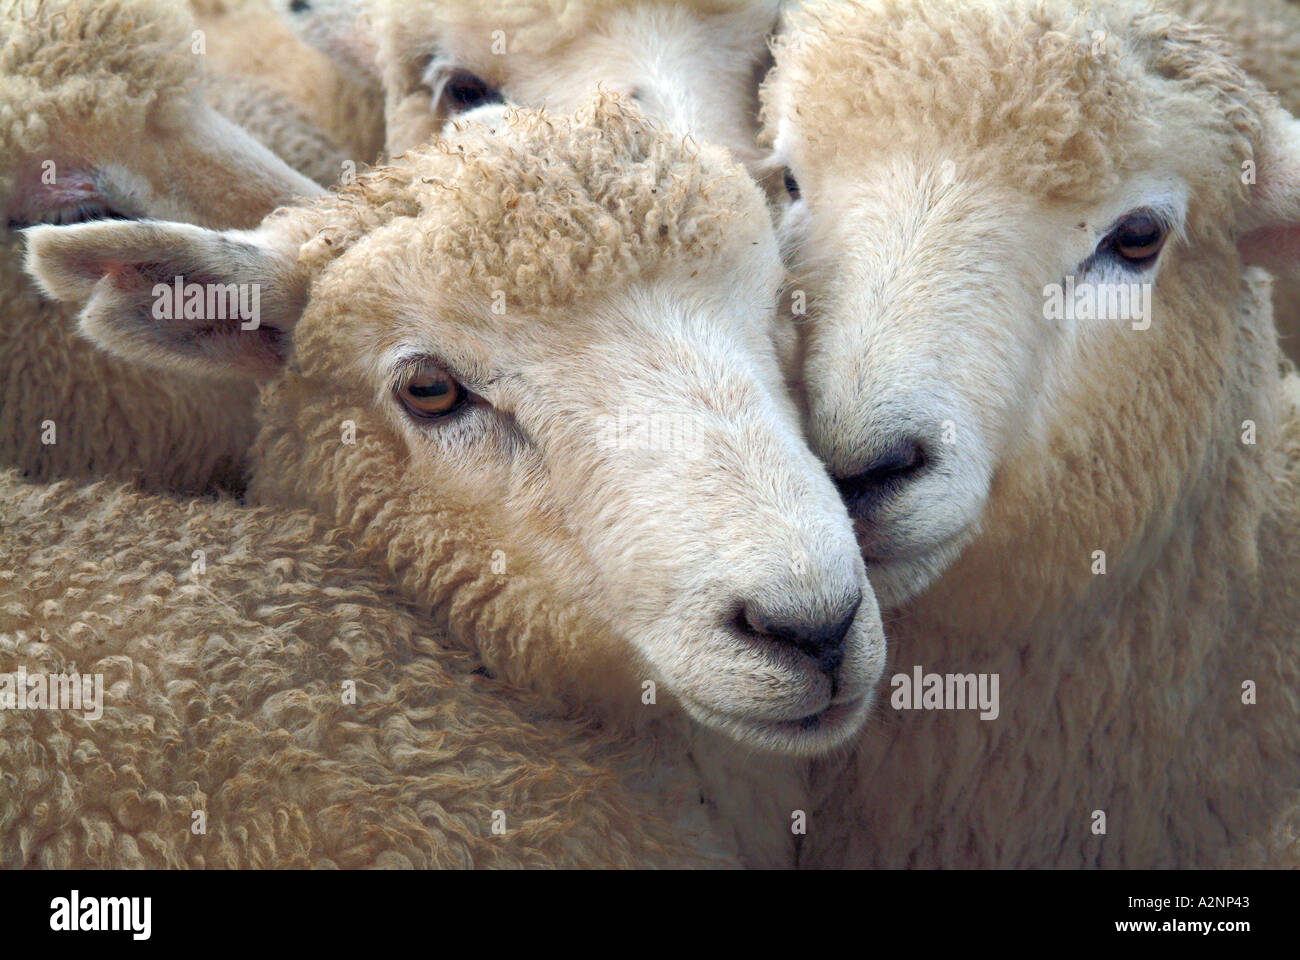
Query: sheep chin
[833, 727]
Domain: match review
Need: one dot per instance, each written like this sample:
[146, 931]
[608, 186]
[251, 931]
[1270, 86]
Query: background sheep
[266, 704]
[483, 319]
[1101, 512]
[102, 116]
[693, 64]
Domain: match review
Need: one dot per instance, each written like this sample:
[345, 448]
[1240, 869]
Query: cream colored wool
[1121, 694]
[248, 44]
[226, 692]
[109, 91]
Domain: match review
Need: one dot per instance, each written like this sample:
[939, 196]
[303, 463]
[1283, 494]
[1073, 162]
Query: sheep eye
[1139, 237]
[431, 394]
[791, 185]
[465, 91]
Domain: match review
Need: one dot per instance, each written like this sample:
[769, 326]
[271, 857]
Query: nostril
[819, 636]
[897, 464]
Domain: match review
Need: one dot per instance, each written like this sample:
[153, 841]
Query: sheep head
[694, 65]
[1022, 230]
[536, 373]
[102, 115]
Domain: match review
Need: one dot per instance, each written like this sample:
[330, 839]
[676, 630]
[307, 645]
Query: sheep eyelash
[407, 369]
[1167, 221]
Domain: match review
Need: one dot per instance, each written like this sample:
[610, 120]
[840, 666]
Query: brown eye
[792, 185]
[431, 394]
[1139, 237]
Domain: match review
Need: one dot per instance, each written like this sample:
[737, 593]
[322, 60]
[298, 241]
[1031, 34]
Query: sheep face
[537, 376]
[999, 247]
[692, 65]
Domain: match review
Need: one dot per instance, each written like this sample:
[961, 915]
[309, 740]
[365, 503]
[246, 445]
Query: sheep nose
[882, 474]
[819, 632]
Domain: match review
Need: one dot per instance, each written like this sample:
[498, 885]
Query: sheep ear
[176, 296]
[1271, 237]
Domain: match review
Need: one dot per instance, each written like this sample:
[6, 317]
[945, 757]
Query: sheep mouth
[811, 735]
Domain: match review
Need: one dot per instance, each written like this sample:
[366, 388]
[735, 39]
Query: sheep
[249, 46]
[693, 64]
[101, 116]
[534, 372]
[1100, 513]
[235, 694]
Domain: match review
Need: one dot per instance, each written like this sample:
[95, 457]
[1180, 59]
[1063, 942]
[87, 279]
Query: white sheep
[102, 116]
[1044, 374]
[692, 64]
[232, 693]
[535, 378]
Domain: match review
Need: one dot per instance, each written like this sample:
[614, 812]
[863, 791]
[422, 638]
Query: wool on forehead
[547, 209]
[1054, 97]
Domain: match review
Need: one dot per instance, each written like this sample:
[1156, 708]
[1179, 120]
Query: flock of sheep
[372, 571]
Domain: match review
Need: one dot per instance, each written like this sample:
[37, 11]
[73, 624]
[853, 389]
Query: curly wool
[66, 62]
[225, 692]
[614, 200]
[62, 62]
[1265, 37]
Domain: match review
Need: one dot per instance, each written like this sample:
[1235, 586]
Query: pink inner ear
[1275, 248]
